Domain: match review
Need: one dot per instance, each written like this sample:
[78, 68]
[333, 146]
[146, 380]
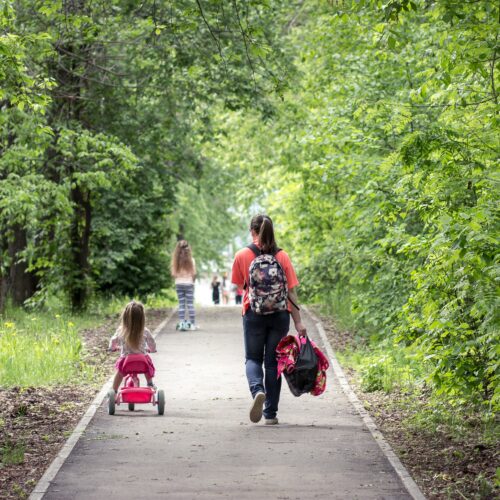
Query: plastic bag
[303, 377]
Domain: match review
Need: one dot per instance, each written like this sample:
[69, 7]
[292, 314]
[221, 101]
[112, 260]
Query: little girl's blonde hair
[133, 320]
[182, 260]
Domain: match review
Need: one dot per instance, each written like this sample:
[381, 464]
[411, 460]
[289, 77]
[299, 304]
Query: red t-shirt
[241, 266]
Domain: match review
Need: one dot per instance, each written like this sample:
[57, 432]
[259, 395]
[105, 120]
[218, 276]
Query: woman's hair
[133, 320]
[263, 226]
[182, 260]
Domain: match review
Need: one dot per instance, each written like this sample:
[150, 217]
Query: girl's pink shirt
[241, 266]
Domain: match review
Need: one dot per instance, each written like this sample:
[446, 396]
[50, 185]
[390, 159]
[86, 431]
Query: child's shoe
[183, 326]
[194, 327]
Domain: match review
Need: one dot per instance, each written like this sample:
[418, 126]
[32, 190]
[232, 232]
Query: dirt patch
[35, 422]
[444, 465]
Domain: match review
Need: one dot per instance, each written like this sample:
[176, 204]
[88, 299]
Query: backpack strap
[255, 249]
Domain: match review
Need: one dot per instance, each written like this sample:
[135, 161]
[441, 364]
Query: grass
[385, 368]
[44, 347]
[40, 348]
[19, 491]
[438, 415]
[12, 453]
[338, 305]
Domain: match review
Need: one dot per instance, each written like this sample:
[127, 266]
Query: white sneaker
[194, 327]
[256, 408]
[271, 421]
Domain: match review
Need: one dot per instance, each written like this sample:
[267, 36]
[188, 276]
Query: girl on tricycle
[134, 342]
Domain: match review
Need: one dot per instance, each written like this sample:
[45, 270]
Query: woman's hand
[301, 329]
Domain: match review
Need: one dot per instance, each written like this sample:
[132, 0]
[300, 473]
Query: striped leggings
[185, 294]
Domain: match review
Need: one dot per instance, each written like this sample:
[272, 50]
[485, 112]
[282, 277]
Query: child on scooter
[131, 337]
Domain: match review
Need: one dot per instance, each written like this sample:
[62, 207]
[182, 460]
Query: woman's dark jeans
[262, 335]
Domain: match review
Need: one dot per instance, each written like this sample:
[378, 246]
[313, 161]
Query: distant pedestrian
[215, 290]
[238, 295]
[269, 293]
[184, 272]
[225, 288]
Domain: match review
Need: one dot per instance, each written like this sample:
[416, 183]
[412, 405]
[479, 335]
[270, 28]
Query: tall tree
[129, 110]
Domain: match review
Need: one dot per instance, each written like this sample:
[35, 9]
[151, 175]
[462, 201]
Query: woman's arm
[301, 329]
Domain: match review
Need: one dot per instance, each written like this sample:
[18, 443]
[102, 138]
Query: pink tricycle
[131, 392]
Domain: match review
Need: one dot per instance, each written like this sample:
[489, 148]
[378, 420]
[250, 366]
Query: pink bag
[286, 354]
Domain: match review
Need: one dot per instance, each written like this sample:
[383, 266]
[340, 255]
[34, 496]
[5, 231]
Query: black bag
[303, 377]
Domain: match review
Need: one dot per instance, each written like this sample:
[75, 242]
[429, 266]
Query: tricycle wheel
[161, 402]
[111, 402]
[131, 407]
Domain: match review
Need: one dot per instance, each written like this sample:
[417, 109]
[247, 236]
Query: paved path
[204, 447]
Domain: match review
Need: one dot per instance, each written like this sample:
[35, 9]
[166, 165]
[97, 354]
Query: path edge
[48, 476]
[386, 448]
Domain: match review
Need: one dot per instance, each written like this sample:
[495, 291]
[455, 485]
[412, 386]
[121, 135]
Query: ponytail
[263, 226]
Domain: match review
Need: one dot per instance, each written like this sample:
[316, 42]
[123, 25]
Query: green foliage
[106, 111]
[21, 87]
[380, 169]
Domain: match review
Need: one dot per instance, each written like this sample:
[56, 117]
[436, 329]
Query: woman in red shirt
[262, 332]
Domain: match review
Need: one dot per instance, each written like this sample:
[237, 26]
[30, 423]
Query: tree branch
[217, 42]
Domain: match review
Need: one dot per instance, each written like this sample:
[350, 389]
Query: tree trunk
[69, 109]
[22, 282]
[180, 232]
[3, 292]
[80, 239]
[3, 269]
